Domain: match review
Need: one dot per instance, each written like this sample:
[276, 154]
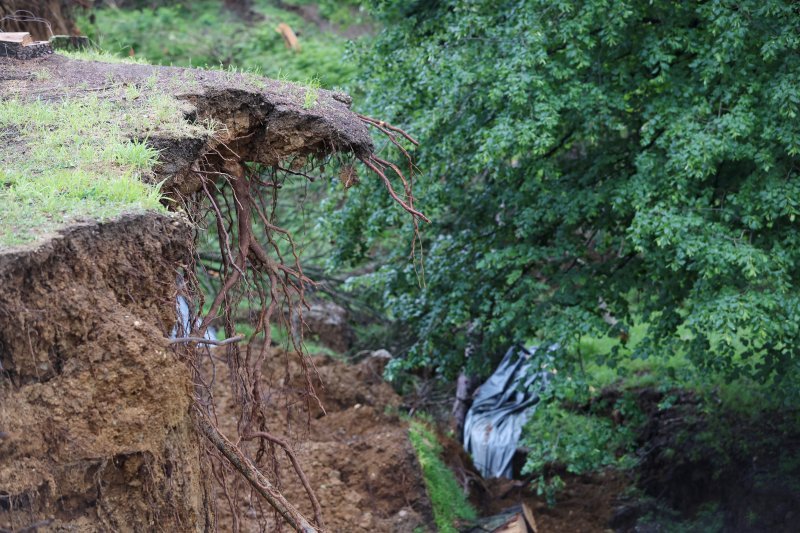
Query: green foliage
[204, 33]
[639, 153]
[557, 437]
[447, 499]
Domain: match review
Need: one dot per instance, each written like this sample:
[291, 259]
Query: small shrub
[579, 443]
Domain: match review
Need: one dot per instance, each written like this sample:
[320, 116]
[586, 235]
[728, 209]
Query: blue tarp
[501, 407]
[183, 327]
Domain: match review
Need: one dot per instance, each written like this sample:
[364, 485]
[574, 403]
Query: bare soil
[356, 455]
[94, 407]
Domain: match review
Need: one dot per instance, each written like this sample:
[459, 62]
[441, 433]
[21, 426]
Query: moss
[447, 499]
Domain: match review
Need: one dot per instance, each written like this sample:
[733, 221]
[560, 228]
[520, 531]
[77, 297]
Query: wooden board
[289, 37]
[516, 524]
[517, 519]
[529, 518]
[21, 38]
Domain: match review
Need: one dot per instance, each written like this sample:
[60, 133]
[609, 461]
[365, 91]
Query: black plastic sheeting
[501, 407]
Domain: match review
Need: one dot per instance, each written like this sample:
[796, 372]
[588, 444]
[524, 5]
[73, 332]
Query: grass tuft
[102, 56]
[311, 94]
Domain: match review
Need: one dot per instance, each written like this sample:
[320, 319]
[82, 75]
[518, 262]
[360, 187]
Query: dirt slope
[95, 425]
[357, 456]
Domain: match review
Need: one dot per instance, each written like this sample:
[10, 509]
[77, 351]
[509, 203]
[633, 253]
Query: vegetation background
[618, 179]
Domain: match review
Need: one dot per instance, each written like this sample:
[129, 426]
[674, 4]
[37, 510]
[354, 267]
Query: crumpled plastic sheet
[184, 326]
[501, 407]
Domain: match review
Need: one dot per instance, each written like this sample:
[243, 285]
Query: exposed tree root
[298, 469]
[259, 261]
[257, 480]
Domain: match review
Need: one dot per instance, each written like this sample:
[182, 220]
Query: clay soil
[356, 455]
[94, 426]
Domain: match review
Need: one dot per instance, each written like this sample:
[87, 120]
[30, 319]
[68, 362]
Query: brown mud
[94, 407]
[356, 455]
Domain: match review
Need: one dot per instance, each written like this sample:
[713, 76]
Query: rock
[330, 325]
[372, 367]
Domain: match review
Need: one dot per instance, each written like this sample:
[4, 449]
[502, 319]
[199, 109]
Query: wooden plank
[21, 38]
[529, 518]
[513, 520]
[289, 37]
[515, 524]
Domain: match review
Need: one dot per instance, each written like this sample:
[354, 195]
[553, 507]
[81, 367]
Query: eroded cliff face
[97, 433]
[96, 430]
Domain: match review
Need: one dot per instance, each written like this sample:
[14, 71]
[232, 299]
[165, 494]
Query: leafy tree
[589, 163]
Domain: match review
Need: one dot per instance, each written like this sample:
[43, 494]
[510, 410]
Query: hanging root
[374, 164]
[252, 266]
[258, 261]
[383, 126]
[379, 166]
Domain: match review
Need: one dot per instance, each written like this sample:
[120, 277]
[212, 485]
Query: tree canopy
[588, 162]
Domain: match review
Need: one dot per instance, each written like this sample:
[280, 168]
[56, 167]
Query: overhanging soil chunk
[96, 424]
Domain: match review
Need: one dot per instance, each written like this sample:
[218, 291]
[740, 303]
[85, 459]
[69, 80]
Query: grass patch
[79, 158]
[205, 33]
[102, 56]
[448, 501]
[311, 94]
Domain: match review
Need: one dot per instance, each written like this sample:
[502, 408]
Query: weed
[256, 79]
[311, 94]
[132, 92]
[42, 74]
[151, 82]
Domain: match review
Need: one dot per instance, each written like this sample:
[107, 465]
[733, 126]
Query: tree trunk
[41, 18]
[467, 383]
